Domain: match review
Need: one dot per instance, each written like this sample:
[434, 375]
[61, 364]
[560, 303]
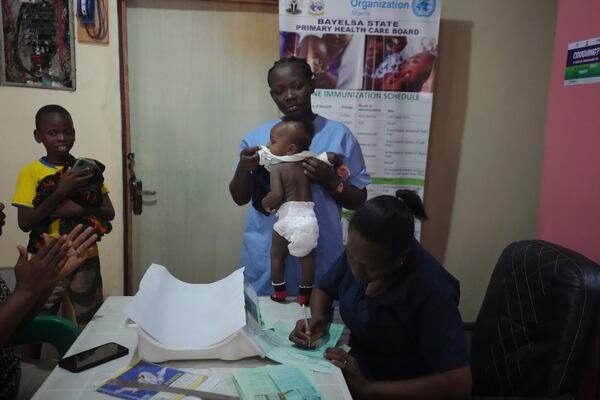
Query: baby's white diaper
[297, 223]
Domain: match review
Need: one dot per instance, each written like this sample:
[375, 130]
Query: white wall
[487, 135]
[486, 139]
[95, 108]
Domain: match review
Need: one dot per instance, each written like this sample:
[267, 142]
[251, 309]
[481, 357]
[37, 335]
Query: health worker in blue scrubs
[400, 305]
[291, 84]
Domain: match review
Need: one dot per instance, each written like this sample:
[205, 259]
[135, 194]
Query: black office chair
[535, 333]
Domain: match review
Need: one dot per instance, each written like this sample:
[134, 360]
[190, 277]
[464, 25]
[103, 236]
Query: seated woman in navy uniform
[407, 338]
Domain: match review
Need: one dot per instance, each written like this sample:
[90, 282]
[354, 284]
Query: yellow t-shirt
[29, 178]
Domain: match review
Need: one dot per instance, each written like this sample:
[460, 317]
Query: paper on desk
[332, 386]
[277, 346]
[269, 340]
[182, 315]
[287, 356]
[275, 381]
[271, 312]
[253, 383]
[294, 382]
[334, 332]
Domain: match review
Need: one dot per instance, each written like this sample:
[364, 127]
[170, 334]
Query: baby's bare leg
[308, 269]
[279, 252]
[308, 276]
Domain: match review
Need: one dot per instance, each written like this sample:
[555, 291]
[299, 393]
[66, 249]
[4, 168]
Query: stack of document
[277, 346]
[275, 382]
[182, 315]
[278, 320]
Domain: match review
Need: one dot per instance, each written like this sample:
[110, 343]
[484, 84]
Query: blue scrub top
[411, 329]
[256, 247]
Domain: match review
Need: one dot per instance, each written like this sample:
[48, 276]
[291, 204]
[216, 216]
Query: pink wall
[569, 212]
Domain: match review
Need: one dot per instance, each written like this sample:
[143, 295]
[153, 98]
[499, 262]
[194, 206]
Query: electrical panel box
[37, 44]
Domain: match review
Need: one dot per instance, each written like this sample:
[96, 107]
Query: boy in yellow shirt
[54, 129]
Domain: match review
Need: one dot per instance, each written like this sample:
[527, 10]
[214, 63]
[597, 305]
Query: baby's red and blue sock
[304, 294]
[279, 292]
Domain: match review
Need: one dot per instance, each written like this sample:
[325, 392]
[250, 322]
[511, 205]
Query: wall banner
[374, 71]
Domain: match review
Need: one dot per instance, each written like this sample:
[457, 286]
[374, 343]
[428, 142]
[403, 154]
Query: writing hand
[307, 339]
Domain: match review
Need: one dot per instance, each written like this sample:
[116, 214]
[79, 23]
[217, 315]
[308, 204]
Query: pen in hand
[306, 328]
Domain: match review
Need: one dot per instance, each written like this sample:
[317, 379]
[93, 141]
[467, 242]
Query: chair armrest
[57, 331]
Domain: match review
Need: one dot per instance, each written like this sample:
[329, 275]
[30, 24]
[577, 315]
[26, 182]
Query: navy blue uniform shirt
[412, 328]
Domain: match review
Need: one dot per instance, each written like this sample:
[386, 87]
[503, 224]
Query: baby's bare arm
[277, 194]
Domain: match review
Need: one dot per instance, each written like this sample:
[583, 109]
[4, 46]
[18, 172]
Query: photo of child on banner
[336, 59]
[395, 63]
[365, 62]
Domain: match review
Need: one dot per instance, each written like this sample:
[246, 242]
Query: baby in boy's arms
[88, 195]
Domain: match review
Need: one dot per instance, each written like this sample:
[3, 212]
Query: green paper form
[277, 346]
[275, 382]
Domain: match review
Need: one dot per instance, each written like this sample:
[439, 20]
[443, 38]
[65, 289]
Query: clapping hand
[55, 260]
[79, 242]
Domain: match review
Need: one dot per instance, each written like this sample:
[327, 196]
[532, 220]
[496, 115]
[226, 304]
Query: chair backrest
[538, 317]
[57, 331]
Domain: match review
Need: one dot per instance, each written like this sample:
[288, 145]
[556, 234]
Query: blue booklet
[145, 372]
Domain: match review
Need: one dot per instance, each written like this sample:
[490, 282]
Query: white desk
[108, 325]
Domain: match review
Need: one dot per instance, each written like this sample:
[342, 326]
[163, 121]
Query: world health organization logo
[423, 8]
[316, 7]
